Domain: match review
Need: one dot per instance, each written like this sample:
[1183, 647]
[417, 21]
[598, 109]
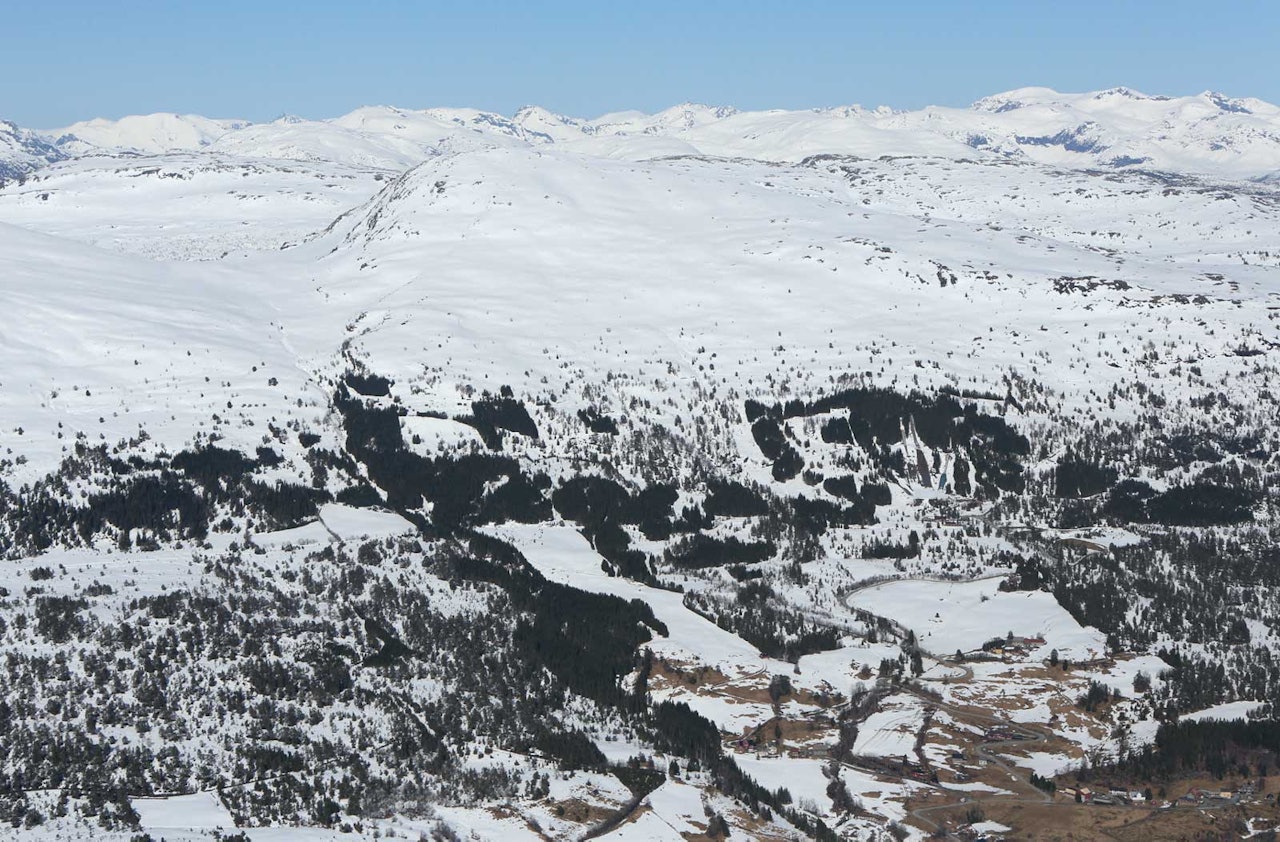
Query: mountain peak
[1013, 99]
[1128, 93]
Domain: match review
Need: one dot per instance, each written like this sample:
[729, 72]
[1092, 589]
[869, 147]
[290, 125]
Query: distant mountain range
[1207, 134]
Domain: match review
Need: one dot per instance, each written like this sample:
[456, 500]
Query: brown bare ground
[580, 812]
[1078, 822]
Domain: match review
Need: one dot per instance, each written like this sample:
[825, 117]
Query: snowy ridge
[1207, 134]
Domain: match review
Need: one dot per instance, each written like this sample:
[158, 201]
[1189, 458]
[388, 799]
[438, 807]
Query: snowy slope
[499, 264]
[619, 265]
[185, 205]
[540, 122]
[101, 347]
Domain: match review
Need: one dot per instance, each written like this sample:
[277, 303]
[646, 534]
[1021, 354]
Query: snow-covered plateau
[845, 473]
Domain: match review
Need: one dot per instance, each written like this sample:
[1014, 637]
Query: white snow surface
[1226, 712]
[352, 524]
[200, 811]
[339, 524]
[185, 205]
[947, 616]
[891, 730]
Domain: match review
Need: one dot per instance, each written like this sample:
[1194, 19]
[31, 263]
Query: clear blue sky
[76, 59]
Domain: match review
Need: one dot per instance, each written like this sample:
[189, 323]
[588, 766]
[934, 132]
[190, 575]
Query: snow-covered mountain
[143, 133]
[444, 474]
[1117, 128]
[1207, 134]
[22, 151]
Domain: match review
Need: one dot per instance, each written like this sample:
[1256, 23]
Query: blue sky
[78, 59]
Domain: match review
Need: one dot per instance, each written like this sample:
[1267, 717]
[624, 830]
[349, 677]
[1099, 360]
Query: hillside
[828, 474]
